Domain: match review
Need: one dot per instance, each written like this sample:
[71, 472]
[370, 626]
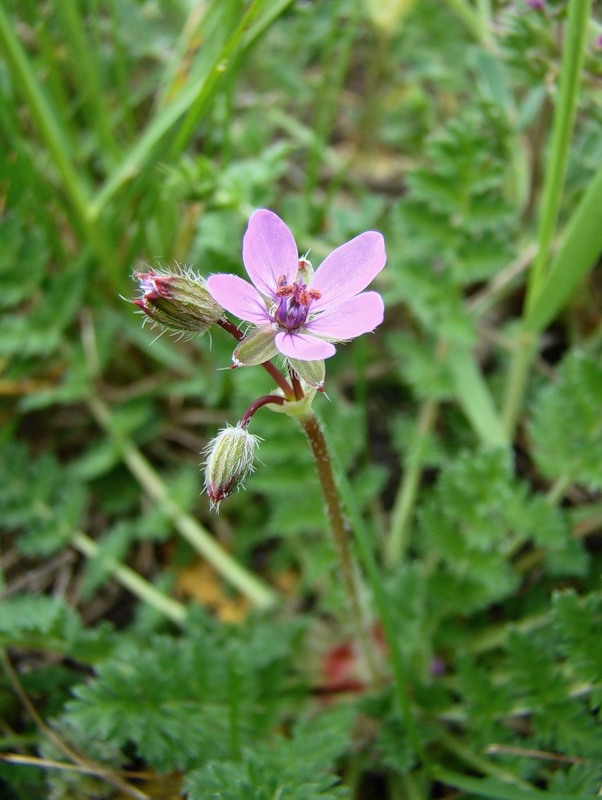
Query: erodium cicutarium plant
[296, 316]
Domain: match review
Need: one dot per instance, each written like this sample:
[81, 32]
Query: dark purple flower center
[293, 305]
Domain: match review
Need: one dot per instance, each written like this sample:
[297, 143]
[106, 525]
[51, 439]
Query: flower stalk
[341, 539]
[294, 312]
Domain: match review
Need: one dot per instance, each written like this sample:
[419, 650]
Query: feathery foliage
[151, 648]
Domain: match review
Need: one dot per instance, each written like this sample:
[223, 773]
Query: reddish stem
[257, 404]
[296, 384]
[340, 535]
[231, 328]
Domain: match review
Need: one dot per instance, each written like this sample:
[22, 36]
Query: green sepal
[312, 372]
[297, 409]
[182, 316]
[257, 347]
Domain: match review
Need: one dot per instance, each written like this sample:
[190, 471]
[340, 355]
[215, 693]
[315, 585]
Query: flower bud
[180, 302]
[229, 461]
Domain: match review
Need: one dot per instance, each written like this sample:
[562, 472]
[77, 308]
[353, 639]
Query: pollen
[301, 293]
[284, 289]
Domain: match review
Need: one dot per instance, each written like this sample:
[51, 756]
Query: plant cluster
[400, 597]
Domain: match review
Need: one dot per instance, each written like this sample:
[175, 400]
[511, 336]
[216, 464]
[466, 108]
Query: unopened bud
[180, 302]
[229, 461]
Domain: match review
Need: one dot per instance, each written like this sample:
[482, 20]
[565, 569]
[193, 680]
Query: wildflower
[229, 461]
[179, 301]
[297, 312]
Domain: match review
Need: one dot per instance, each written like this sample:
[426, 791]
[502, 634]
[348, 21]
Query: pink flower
[297, 312]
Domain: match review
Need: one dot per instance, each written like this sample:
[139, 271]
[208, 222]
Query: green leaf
[20, 246]
[566, 425]
[39, 500]
[577, 620]
[496, 790]
[297, 768]
[185, 701]
[48, 623]
[474, 520]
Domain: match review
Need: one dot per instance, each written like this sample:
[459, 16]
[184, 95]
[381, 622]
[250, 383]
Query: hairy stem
[267, 399]
[364, 543]
[340, 534]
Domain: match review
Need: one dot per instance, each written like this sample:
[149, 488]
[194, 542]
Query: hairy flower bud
[179, 301]
[229, 461]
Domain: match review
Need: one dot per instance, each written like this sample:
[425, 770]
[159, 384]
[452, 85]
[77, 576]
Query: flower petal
[269, 251]
[238, 297]
[349, 269]
[350, 318]
[303, 347]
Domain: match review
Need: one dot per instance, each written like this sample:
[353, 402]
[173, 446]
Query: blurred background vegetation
[137, 132]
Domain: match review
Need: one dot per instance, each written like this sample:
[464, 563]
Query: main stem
[340, 534]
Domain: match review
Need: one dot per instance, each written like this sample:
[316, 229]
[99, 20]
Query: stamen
[282, 288]
[292, 310]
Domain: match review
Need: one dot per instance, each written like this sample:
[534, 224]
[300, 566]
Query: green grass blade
[261, 25]
[474, 397]
[407, 495]
[56, 142]
[44, 117]
[226, 57]
[195, 99]
[131, 580]
[555, 168]
[87, 76]
[581, 247]
[336, 59]
[556, 161]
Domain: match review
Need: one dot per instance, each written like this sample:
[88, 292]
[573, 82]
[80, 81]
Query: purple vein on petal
[349, 269]
[350, 318]
[269, 251]
[303, 347]
[238, 297]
